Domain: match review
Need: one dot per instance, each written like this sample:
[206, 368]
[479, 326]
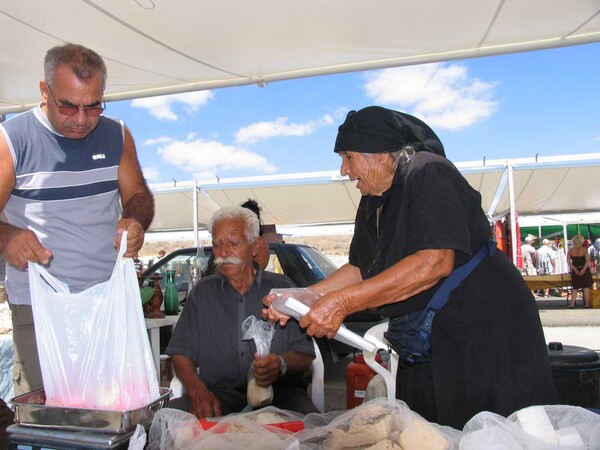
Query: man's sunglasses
[71, 110]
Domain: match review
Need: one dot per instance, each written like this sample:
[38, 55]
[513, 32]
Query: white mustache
[228, 260]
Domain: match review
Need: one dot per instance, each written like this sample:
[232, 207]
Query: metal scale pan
[31, 411]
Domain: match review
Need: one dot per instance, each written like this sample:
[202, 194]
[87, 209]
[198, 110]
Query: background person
[529, 256]
[207, 351]
[417, 220]
[262, 246]
[561, 257]
[546, 257]
[578, 259]
[65, 169]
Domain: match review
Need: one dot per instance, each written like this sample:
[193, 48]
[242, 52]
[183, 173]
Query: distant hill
[335, 247]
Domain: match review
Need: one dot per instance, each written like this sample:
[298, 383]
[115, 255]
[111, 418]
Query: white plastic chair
[317, 384]
[375, 336]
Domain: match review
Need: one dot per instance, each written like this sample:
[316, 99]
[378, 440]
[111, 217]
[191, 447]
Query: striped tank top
[66, 193]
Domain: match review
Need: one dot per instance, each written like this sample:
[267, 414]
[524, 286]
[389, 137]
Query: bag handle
[37, 270]
[59, 286]
[123, 247]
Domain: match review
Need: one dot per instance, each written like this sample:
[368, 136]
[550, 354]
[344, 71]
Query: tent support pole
[195, 212]
[565, 239]
[513, 220]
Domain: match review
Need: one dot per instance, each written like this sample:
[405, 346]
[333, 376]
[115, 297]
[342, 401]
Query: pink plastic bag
[93, 345]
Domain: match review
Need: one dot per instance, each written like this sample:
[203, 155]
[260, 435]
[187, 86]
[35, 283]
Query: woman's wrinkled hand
[326, 315]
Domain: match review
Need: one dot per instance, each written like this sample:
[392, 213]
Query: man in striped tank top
[70, 184]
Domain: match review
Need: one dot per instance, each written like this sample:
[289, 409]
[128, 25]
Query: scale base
[30, 438]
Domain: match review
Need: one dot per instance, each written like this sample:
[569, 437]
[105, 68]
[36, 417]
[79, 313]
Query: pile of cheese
[372, 427]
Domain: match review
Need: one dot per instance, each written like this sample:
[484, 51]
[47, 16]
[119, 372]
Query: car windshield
[305, 265]
[317, 263]
[181, 263]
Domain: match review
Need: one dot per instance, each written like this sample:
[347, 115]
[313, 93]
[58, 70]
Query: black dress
[581, 281]
[488, 349]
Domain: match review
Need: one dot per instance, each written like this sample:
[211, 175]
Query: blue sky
[544, 102]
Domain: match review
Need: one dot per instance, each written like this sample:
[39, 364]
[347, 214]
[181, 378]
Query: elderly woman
[417, 222]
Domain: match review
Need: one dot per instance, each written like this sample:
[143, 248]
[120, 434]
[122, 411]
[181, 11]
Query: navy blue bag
[410, 335]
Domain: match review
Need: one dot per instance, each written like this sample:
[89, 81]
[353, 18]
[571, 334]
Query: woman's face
[374, 173]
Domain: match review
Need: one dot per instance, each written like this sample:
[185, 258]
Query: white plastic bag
[138, 439]
[262, 332]
[93, 345]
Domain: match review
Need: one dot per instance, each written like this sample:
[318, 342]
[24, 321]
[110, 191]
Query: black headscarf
[380, 130]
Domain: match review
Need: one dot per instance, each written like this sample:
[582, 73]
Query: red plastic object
[358, 375]
[292, 426]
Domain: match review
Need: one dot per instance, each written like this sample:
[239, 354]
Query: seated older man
[207, 350]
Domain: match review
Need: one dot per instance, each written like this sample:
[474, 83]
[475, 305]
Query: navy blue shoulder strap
[440, 298]
[459, 274]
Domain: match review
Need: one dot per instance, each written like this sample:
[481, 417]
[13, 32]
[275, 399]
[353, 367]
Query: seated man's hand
[266, 370]
[204, 402]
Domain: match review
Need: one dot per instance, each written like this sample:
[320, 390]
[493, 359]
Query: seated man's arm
[267, 369]
[204, 403]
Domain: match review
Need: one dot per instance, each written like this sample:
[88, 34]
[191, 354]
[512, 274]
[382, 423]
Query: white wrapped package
[572, 427]
[535, 421]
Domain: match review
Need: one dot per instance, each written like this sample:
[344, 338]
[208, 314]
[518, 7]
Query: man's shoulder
[19, 120]
[209, 280]
[112, 123]
[204, 285]
[277, 279]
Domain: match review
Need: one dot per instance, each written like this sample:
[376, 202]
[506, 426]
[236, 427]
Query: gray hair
[84, 62]
[403, 156]
[400, 158]
[233, 213]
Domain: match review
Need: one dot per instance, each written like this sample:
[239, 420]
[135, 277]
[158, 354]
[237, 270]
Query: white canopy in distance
[548, 185]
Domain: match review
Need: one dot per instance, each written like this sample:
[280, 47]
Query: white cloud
[340, 113]
[443, 95]
[160, 140]
[151, 173]
[206, 159]
[162, 107]
[261, 131]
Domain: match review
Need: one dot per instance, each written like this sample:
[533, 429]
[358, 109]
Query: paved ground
[579, 327]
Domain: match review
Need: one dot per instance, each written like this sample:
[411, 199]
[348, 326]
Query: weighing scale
[29, 438]
[42, 427]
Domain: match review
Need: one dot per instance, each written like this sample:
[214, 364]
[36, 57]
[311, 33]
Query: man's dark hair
[253, 206]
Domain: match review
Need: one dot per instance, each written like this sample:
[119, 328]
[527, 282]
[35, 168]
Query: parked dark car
[305, 265]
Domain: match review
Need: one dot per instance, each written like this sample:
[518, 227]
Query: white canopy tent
[156, 47]
[548, 185]
[530, 187]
